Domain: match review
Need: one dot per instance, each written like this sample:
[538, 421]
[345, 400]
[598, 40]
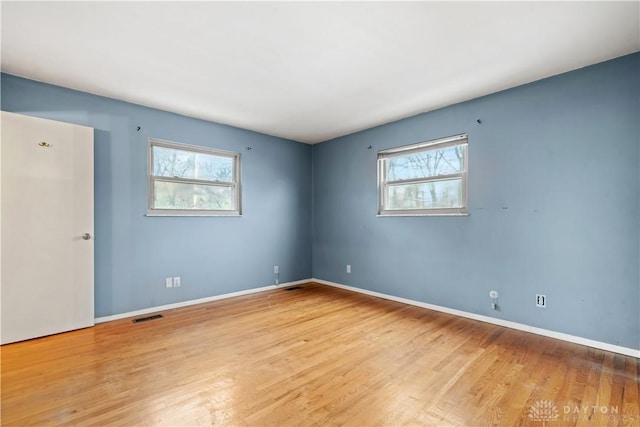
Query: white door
[46, 230]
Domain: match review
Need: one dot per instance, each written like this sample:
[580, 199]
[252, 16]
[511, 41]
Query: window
[429, 178]
[189, 180]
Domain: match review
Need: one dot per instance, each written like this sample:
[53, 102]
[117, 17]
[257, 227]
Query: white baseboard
[500, 322]
[196, 301]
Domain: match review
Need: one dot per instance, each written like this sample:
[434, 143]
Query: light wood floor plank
[314, 356]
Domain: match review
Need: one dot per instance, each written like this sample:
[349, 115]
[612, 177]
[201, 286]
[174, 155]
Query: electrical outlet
[168, 282]
[176, 282]
[276, 269]
[493, 294]
[541, 301]
[349, 268]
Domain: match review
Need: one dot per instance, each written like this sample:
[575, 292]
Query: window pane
[188, 164]
[428, 195]
[444, 161]
[171, 195]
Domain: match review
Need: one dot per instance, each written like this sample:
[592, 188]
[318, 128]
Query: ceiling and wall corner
[309, 71]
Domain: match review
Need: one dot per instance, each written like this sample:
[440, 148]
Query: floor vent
[293, 288]
[144, 319]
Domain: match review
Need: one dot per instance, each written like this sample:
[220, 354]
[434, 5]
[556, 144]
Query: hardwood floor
[314, 356]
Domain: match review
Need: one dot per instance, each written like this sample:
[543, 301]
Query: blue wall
[554, 201]
[554, 188]
[213, 255]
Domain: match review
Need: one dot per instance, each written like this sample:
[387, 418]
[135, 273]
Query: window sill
[422, 214]
[207, 214]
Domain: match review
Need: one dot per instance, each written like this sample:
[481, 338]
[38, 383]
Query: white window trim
[461, 140]
[236, 184]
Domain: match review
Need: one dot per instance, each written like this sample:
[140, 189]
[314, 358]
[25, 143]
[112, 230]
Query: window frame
[451, 141]
[235, 185]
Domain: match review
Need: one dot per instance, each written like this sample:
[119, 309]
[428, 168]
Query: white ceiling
[308, 71]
